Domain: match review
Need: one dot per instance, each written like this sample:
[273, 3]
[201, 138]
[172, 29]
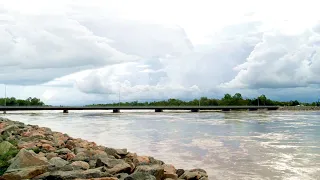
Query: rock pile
[33, 152]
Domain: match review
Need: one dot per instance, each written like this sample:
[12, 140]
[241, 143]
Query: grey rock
[67, 167]
[65, 175]
[112, 152]
[58, 162]
[92, 163]
[80, 165]
[140, 176]
[155, 161]
[93, 173]
[122, 152]
[114, 166]
[194, 174]
[81, 156]
[156, 170]
[121, 176]
[63, 151]
[180, 172]
[26, 159]
[79, 150]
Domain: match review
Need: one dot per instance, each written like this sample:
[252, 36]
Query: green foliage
[227, 100]
[4, 164]
[13, 142]
[36, 150]
[19, 102]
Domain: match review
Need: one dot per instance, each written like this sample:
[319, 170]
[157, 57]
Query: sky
[69, 52]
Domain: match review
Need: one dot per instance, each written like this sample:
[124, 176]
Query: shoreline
[33, 152]
[299, 108]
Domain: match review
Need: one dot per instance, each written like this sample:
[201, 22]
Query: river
[228, 145]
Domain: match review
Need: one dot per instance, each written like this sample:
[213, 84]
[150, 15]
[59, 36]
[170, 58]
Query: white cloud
[280, 61]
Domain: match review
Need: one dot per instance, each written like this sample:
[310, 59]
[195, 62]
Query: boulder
[92, 173]
[58, 162]
[27, 145]
[155, 161]
[68, 157]
[24, 173]
[170, 171]
[141, 160]
[48, 147]
[81, 156]
[121, 176]
[79, 150]
[156, 170]
[103, 178]
[112, 152]
[179, 172]
[194, 174]
[63, 151]
[5, 146]
[122, 152]
[114, 165]
[51, 155]
[8, 130]
[140, 175]
[65, 175]
[26, 159]
[92, 163]
[81, 165]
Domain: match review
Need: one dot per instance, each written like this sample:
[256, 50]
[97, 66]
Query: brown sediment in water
[33, 152]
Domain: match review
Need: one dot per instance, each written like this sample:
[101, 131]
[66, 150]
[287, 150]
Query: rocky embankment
[33, 152]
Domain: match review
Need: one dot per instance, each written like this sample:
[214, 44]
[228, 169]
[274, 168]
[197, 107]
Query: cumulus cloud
[281, 61]
[51, 45]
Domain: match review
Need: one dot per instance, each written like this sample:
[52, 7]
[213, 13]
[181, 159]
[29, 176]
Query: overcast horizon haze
[82, 52]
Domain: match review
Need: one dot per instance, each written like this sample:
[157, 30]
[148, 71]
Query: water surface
[230, 145]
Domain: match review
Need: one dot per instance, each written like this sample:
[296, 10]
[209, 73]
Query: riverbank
[299, 108]
[33, 152]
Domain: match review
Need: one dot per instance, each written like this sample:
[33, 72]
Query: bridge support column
[65, 111]
[116, 111]
[225, 109]
[195, 110]
[4, 112]
[158, 110]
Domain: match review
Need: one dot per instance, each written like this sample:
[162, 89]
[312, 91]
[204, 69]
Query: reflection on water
[232, 145]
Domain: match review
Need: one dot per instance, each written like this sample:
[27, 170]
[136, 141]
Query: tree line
[11, 101]
[227, 100]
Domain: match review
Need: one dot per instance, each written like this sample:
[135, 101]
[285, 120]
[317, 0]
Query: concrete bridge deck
[117, 109]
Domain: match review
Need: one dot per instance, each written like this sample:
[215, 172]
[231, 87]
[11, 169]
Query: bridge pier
[195, 110]
[4, 112]
[158, 110]
[226, 109]
[116, 111]
[65, 111]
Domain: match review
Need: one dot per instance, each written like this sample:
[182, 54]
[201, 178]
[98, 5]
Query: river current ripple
[229, 145]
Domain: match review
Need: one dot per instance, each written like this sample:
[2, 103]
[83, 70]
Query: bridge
[116, 109]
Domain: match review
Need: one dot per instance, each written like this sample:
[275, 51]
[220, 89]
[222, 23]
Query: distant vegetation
[20, 102]
[227, 100]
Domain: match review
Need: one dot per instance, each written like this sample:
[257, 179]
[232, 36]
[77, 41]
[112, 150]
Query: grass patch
[4, 164]
[36, 150]
[13, 142]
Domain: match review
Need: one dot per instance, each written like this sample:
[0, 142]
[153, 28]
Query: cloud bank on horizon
[78, 52]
